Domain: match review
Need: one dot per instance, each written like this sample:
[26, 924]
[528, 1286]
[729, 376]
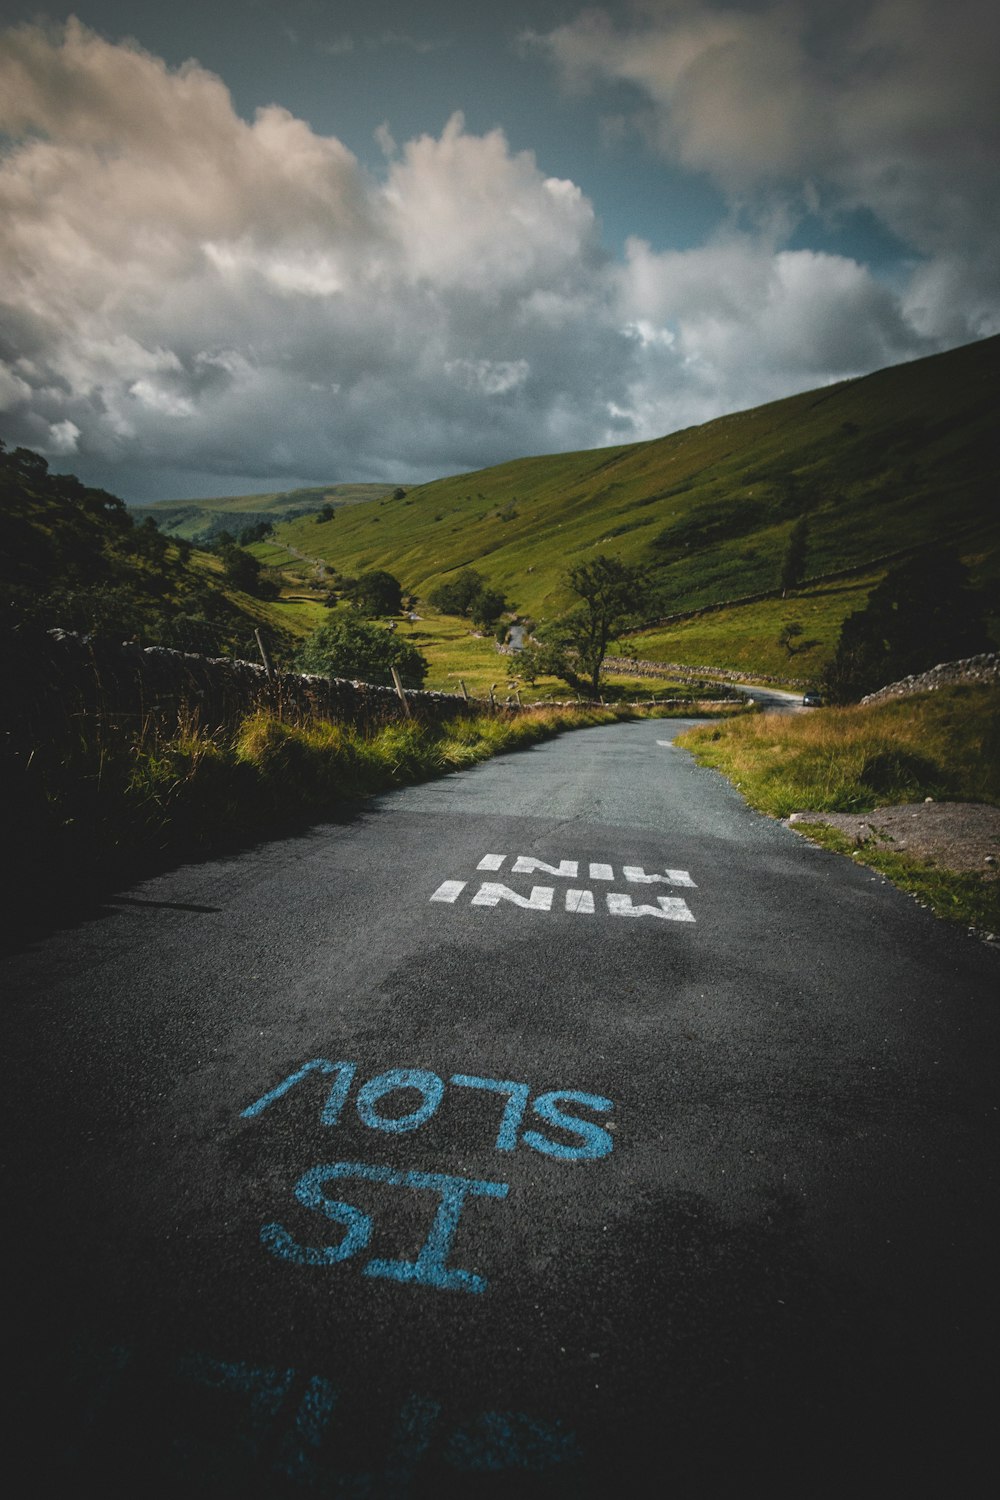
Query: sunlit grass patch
[746, 637]
[944, 745]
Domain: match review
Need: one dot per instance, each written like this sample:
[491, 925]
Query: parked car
[812, 699]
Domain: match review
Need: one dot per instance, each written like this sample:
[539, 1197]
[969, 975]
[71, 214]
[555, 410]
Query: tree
[455, 595]
[789, 634]
[923, 612]
[326, 514]
[256, 533]
[147, 540]
[793, 564]
[469, 593]
[242, 571]
[547, 659]
[350, 646]
[375, 593]
[612, 593]
[790, 637]
[487, 606]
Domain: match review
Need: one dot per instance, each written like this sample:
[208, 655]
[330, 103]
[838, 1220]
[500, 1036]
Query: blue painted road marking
[335, 1099]
[514, 1111]
[590, 1142]
[432, 1087]
[282, 1421]
[428, 1084]
[595, 1141]
[430, 1267]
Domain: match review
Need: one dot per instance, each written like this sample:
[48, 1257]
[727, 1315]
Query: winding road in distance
[555, 1128]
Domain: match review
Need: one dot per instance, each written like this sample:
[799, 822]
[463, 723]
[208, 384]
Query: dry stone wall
[983, 668]
[637, 668]
[155, 685]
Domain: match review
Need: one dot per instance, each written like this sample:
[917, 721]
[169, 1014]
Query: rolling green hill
[202, 520]
[878, 465]
[901, 459]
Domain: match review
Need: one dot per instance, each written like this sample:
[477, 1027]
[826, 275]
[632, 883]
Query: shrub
[348, 646]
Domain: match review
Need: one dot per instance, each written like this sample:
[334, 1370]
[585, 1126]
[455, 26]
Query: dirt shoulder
[959, 836]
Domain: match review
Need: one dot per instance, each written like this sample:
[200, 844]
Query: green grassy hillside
[878, 465]
[201, 520]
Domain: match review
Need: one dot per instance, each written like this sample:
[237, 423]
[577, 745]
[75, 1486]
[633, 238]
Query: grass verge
[972, 900]
[944, 745]
[115, 805]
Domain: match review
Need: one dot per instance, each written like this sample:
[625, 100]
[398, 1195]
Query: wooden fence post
[399, 689]
[465, 691]
[264, 656]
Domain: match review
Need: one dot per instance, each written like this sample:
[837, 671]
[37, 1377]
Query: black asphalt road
[366, 1163]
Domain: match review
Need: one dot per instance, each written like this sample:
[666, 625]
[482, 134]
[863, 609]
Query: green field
[895, 460]
[745, 637]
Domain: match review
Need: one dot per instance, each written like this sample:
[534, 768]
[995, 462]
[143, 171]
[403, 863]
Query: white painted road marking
[582, 901]
[670, 908]
[491, 894]
[636, 875]
[449, 890]
[576, 900]
[526, 864]
[568, 869]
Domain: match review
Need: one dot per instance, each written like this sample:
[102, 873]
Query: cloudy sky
[249, 244]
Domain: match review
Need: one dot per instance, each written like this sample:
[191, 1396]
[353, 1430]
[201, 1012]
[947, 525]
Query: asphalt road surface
[557, 1127]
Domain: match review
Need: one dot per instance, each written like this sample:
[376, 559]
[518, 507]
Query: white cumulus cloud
[196, 294]
[883, 106]
[188, 298]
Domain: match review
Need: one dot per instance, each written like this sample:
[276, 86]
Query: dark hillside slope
[877, 465]
[74, 558]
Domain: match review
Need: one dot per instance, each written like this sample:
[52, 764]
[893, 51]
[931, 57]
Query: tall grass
[944, 744]
[113, 803]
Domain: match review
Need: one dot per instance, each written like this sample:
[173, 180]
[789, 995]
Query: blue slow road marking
[573, 1137]
[593, 1141]
[430, 1267]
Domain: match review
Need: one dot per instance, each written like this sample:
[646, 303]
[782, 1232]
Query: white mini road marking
[449, 890]
[601, 872]
[667, 744]
[491, 894]
[526, 864]
[636, 875]
[668, 908]
[582, 901]
[491, 862]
